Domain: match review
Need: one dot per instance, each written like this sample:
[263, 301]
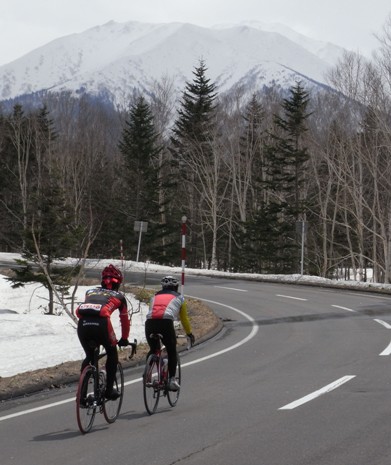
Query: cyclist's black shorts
[93, 329]
[166, 328]
[98, 331]
[163, 326]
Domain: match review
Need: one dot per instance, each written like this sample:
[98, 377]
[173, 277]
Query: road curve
[299, 375]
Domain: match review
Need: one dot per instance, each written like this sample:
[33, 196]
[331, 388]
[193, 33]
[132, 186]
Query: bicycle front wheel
[111, 408]
[173, 396]
[151, 387]
[85, 401]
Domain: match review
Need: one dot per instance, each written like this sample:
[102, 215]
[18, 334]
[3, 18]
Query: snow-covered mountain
[115, 58]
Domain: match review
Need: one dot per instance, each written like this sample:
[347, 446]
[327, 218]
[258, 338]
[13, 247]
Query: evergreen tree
[192, 147]
[140, 147]
[196, 114]
[288, 154]
[286, 177]
[10, 227]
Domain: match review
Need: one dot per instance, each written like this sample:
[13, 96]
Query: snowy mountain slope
[116, 57]
[326, 51]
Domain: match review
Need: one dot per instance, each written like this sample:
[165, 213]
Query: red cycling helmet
[111, 277]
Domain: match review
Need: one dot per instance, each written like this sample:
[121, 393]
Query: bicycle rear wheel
[85, 401]
[151, 387]
[111, 408]
[173, 396]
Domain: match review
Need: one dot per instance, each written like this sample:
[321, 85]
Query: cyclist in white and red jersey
[95, 323]
[165, 307]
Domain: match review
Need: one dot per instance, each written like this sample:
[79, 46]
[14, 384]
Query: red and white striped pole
[121, 251]
[184, 219]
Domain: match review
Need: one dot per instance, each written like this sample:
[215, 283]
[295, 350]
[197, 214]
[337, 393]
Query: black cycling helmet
[111, 277]
[169, 282]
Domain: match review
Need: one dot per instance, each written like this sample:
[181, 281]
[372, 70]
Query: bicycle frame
[99, 388]
[155, 378]
[93, 378]
[161, 354]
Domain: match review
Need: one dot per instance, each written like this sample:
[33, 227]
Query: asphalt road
[298, 376]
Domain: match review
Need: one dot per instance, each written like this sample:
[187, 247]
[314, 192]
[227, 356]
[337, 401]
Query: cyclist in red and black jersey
[95, 323]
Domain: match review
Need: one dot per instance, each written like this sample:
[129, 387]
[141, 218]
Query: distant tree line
[272, 183]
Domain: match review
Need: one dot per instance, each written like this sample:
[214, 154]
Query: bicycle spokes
[151, 388]
[173, 396]
[85, 400]
[90, 397]
[111, 408]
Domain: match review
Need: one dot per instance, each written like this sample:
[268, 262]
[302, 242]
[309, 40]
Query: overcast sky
[28, 24]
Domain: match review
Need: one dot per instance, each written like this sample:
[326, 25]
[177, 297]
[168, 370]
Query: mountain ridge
[116, 58]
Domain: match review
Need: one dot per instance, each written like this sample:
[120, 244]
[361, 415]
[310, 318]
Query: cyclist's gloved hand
[123, 342]
[191, 337]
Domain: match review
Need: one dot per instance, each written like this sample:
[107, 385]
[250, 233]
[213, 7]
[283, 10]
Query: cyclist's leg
[169, 340]
[86, 332]
[109, 342]
[173, 394]
[112, 408]
[111, 367]
[152, 327]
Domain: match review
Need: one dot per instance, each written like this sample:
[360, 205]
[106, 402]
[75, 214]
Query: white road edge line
[387, 350]
[253, 332]
[319, 392]
[290, 297]
[384, 323]
[344, 308]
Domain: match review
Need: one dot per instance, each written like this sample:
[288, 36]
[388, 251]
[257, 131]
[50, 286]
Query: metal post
[183, 255]
[302, 246]
[139, 241]
[121, 251]
[140, 226]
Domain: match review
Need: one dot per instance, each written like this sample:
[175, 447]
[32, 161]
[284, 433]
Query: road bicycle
[155, 378]
[90, 397]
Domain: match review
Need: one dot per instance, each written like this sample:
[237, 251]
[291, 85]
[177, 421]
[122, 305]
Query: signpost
[141, 226]
[183, 255]
[301, 228]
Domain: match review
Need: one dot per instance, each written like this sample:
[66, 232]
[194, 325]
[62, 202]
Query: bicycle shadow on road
[61, 435]
[143, 414]
[131, 415]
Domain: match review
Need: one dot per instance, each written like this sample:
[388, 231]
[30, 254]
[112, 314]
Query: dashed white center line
[231, 288]
[319, 392]
[344, 308]
[290, 297]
